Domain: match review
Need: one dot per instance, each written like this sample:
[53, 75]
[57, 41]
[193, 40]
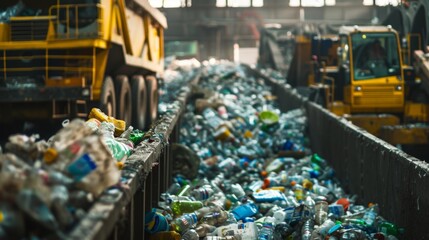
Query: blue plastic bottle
[245, 210]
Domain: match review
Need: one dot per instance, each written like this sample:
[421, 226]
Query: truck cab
[370, 70]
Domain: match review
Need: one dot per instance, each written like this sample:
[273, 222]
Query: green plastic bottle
[389, 228]
[181, 207]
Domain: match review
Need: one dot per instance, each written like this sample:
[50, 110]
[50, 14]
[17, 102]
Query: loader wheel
[123, 99]
[139, 103]
[108, 98]
[152, 99]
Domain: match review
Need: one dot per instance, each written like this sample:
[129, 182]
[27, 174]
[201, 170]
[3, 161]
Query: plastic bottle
[59, 198]
[268, 196]
[155, 222]
[174, 188]
[370, 215]
[279, 216]
[298, 191]
[185, 222]
[325, 227]
[181, 207]
[237, 190]
[245, 210]
[236, 237]
[202, 193]
[321, 212]
[215, 218]
[267, 230]
[389, 228]
[310, 204]
[212, 118]
[277, 164]
[170, 235]
[190, 234]
[206, 210]
[307, 229]
[30, 203]
[282, 230]
[231, 219]
[204, 229]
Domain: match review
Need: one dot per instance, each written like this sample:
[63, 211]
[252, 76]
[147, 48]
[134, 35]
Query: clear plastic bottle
[325, 227]
[267, 230]
[310, 204]
[370, 215]
[174, 188]
[215, 218]
[190, 234]
[185, 222]
[307, 229]
[204, 229]
[282, 230]
[321, 212]
[206, 210]
[203, 192]
[237, 190]
[236, 237]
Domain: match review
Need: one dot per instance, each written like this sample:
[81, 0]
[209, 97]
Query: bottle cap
[120, 165]
[50, 155]
[345, 202]
[1, 216]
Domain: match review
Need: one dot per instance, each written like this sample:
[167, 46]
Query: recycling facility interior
[239, 129]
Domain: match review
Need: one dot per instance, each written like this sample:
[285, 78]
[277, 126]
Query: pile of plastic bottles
[47, 187]
[257, 178]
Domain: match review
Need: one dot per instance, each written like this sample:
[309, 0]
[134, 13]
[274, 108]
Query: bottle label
[81, 167]
[246, 230]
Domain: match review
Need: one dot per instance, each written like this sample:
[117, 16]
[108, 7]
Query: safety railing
[48, 65]
[74, 21]
[119, 213]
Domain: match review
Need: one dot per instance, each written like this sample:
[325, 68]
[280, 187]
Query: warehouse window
[155, 3]
[239, 3]
[381, 2]
[257, 3]
[170, 3]
[311, 3]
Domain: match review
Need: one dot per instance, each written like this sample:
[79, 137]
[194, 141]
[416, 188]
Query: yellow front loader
[60, 57]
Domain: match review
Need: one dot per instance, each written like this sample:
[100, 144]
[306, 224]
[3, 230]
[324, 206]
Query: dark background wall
[217, 29]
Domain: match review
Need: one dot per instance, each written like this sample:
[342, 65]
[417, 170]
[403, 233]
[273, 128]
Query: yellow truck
[372, 87]
[359, 74]
[60, 57]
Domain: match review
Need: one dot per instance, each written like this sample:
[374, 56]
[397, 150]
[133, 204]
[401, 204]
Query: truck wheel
[138, 90]
[123, 99]
[152, 99]
[107, 97]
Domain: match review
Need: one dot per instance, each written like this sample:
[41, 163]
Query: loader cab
[370, 70]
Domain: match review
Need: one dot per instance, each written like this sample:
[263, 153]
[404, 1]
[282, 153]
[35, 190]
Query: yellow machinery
[57, 57]
[368, 86]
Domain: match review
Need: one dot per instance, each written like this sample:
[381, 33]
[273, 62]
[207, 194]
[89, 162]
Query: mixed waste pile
[47, 187]
[257, 178]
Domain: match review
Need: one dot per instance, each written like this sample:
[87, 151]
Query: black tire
[108, 97]
[123, 99]
[139, 102]
[152, 99]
